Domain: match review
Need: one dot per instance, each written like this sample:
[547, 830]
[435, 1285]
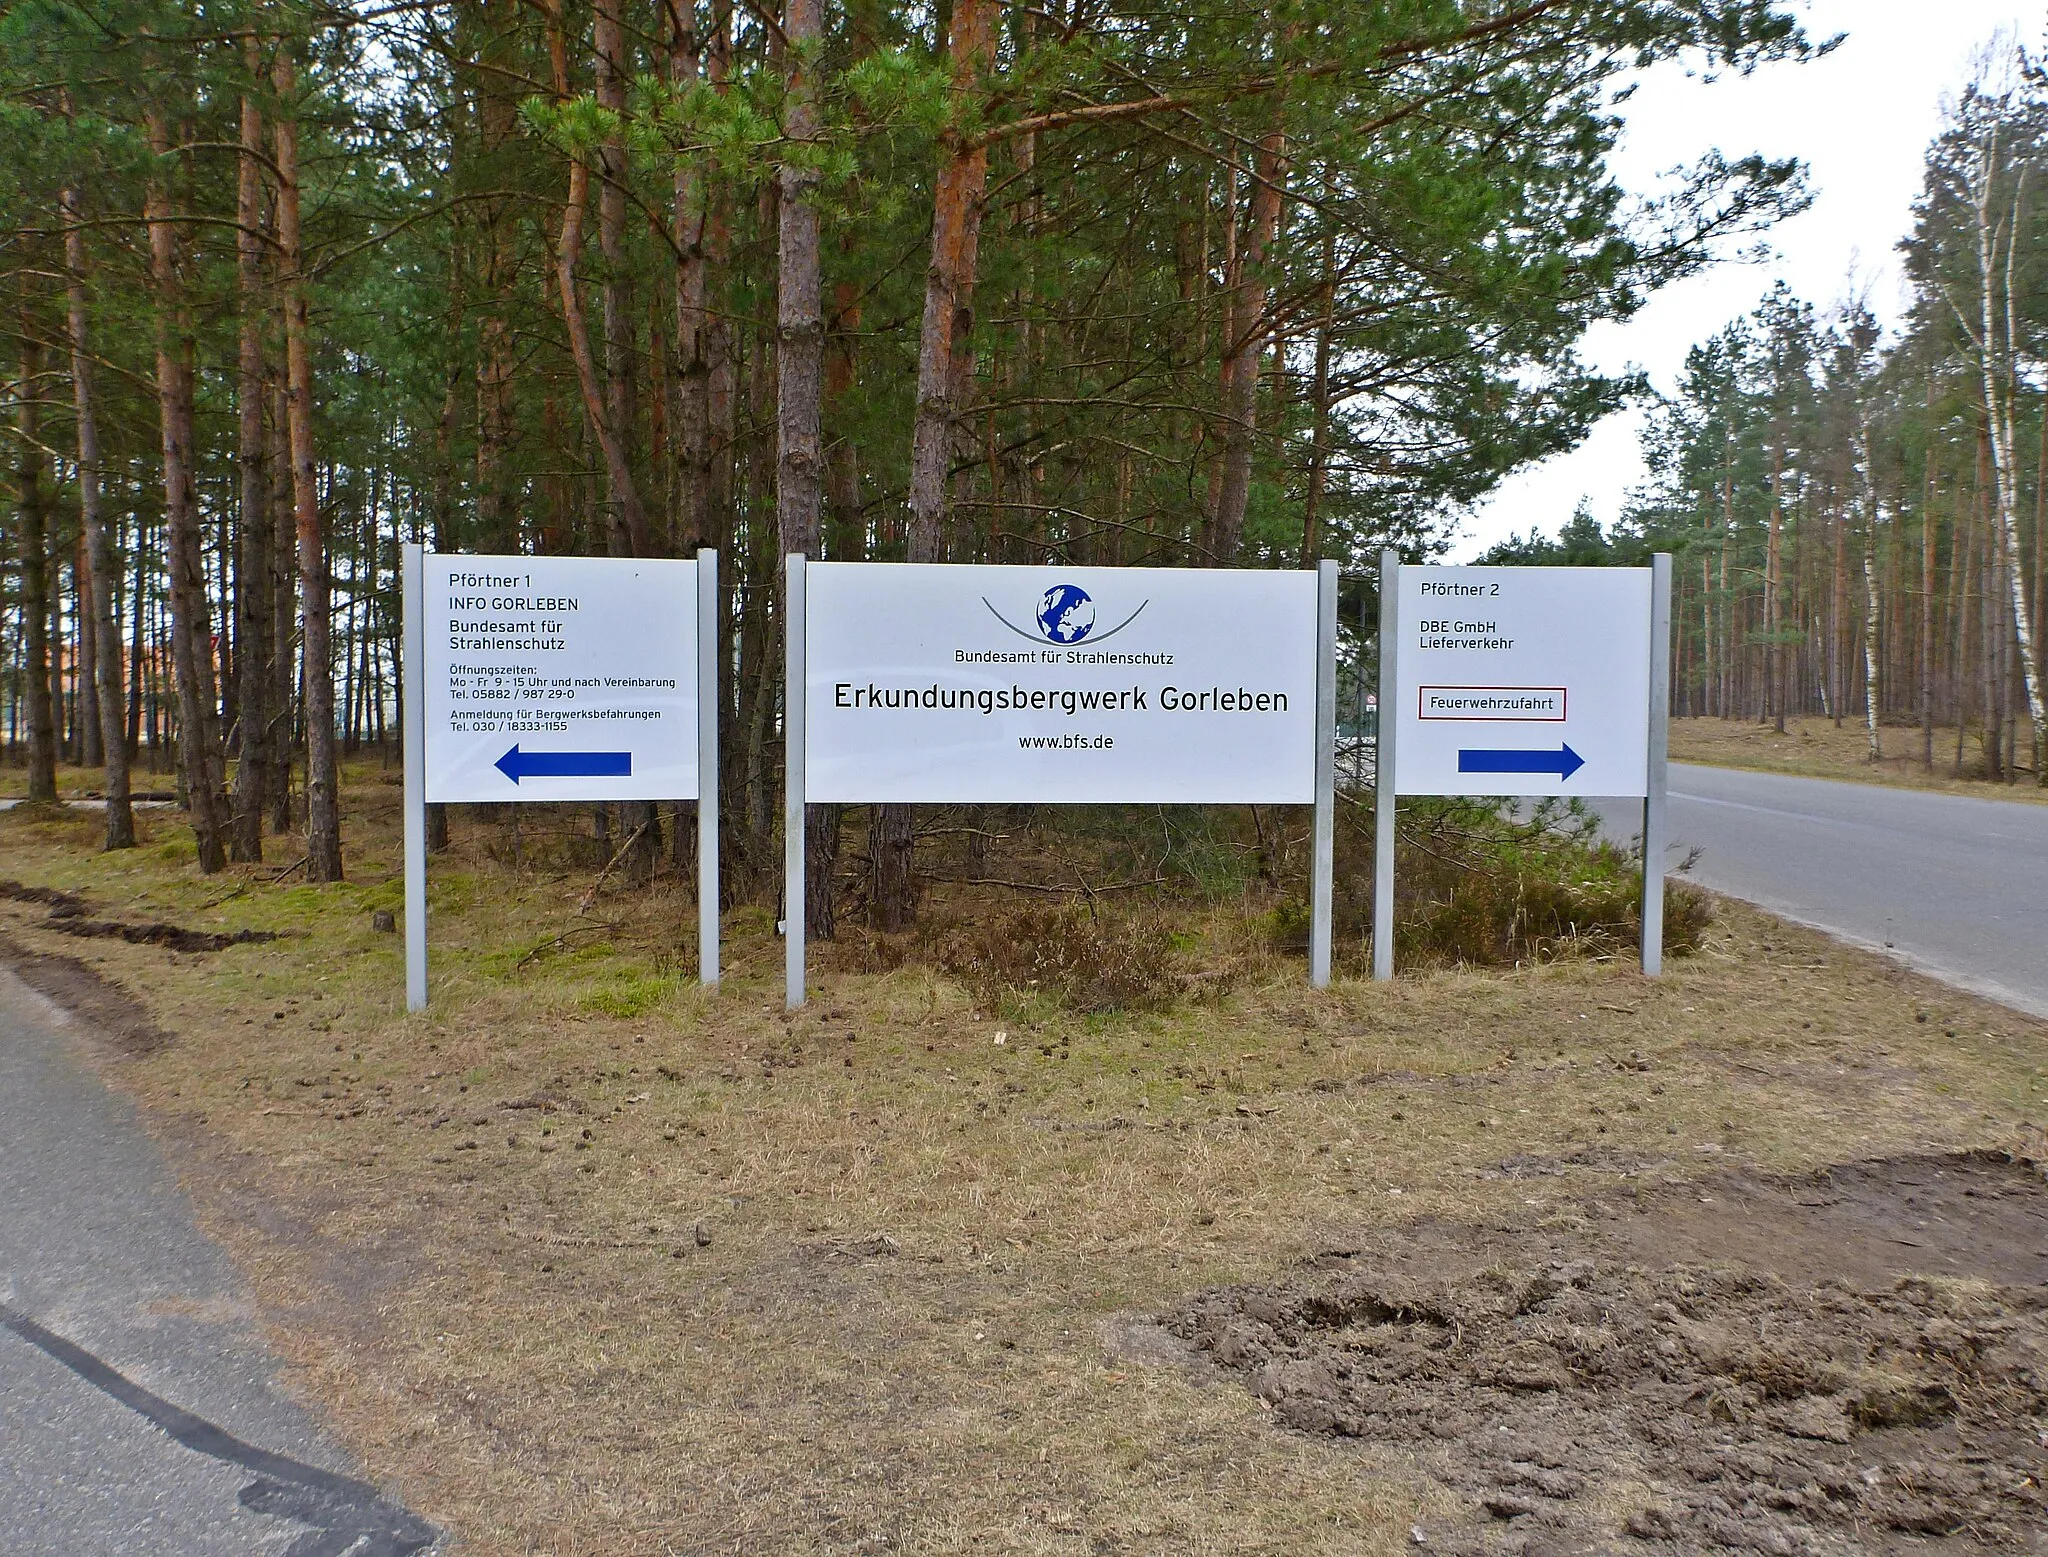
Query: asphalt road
[1952, 885]
[139, 1412]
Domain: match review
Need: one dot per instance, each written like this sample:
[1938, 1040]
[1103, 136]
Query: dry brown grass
[1814, 748]
[475, 1231]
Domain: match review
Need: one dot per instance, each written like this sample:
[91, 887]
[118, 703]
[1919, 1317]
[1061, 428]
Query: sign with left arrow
[559, 678]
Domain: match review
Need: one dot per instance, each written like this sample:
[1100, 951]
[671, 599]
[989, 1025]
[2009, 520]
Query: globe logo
[1066, 614]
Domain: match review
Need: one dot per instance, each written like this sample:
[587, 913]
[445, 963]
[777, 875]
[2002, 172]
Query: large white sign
[969, 683]
[1522, 681]
[560, 678]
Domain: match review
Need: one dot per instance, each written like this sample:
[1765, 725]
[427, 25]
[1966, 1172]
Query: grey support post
[1659, 765]
[707, 767]
[412, 684]
[1383, 771]
[1322, 885]
[793, 887]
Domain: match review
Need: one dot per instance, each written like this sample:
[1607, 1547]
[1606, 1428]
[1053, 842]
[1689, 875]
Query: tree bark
[86, 722]
[34, 539]
[949, 282]
[323, 801]
[692, 384]
[629, 533]
[1927, 540]
[101, 562]
[1774, 650]
[284, 606]
[947, 326]
[255, 533]
[799, 365]
[1244, 330]
[191, 618]
[1319, 454]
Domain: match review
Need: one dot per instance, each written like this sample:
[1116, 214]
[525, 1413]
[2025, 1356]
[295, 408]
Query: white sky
[1861, 119]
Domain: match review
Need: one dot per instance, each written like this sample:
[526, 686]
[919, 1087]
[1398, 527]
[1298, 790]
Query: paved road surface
[139, 1416]
[1953, 885]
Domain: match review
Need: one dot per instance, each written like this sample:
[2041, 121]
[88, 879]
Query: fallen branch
[561, 942]
[1039, 886]
[583, 904]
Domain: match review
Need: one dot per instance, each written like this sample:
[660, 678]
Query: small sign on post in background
[1523, 681]
[558, 678]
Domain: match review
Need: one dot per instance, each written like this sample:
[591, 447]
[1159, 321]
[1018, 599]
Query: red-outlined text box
[1492, 705]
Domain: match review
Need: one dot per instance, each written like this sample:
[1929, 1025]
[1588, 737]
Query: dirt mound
[67, 917]
[1852, 1362]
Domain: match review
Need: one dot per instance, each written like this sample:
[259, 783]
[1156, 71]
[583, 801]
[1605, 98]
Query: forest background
[1238, 284]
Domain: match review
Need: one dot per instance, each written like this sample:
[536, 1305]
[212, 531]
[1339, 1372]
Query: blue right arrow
[517, 764]
[1564, 762]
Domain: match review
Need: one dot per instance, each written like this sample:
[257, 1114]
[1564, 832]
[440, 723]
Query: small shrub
[1288, 925]
[1479, 885]
[1082, 962]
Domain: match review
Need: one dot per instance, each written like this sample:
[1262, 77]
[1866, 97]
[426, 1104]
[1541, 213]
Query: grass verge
[1814, 748]
[587, 1259]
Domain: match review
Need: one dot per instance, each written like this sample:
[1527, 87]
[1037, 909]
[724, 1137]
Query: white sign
[560, 678]
[928, 682]
[1522, 681]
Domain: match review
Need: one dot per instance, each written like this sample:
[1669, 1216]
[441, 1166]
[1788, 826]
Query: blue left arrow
[1564, 762]
[517, 764]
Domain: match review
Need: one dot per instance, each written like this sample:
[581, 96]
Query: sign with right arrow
[1522, 681]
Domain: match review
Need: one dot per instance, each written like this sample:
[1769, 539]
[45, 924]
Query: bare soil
[1854, 1359]
[103, 1008]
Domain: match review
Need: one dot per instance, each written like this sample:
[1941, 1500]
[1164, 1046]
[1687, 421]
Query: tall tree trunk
[1838, 616]
[90, 754]
[629, 533]
[1873, 598]
[1927, 540]
[323, 800]
[799, 365]
[191, 618]
[34, 539]
[284, 607]
[692, 385]
[947, 326]
[495, 47]
[253, 613]
[1245, 329]
[102, 563]
[1866, 453]
[949, 283]
[1774, 690]
[1318, 453]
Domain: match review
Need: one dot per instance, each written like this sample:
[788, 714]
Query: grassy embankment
[1814, 748]
[588, 1260]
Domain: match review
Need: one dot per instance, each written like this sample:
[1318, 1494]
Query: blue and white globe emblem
[1066, 614]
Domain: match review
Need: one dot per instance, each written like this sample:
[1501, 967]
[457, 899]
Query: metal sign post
[1660, 763]
[795, 889]
[1383, 795]
[707, 767]
[412, 678]
[1322, 883]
